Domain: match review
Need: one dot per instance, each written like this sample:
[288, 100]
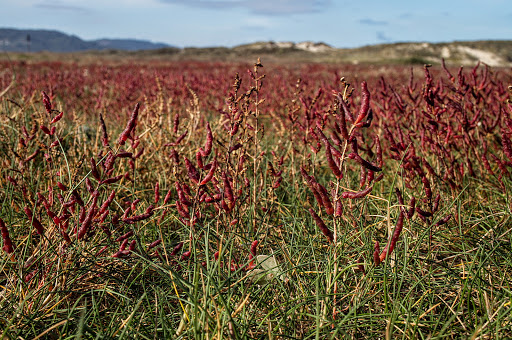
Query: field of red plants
[216, 200]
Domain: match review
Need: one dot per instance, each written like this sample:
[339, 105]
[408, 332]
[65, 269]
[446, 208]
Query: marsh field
[149, 199]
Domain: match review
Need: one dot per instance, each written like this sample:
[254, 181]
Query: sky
[202, 23]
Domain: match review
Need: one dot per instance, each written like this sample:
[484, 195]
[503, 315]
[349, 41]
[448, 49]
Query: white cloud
[265, 7]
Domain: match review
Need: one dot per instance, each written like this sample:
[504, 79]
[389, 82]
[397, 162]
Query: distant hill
[308, 46]
[496, 53]
[16, 40]
[493, 53]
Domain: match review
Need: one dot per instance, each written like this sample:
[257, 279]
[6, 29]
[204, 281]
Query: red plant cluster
[436, 130]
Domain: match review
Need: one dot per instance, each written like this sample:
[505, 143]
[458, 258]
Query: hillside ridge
[29, 40]
[496, 53]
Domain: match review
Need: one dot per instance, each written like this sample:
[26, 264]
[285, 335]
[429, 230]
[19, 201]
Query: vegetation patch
[226, 200]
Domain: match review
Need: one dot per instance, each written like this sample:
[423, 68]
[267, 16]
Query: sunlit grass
[448, 280]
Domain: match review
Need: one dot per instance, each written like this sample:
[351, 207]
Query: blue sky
[233, 22]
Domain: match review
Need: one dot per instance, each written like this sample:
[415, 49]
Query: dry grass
[448, 280]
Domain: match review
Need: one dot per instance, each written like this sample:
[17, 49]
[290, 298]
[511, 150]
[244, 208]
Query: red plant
[321, 225]
[8, 246]
[392, 243]
[130, 126]
[34, 221]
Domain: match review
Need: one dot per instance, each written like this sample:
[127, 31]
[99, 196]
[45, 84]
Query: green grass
[455, 285]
